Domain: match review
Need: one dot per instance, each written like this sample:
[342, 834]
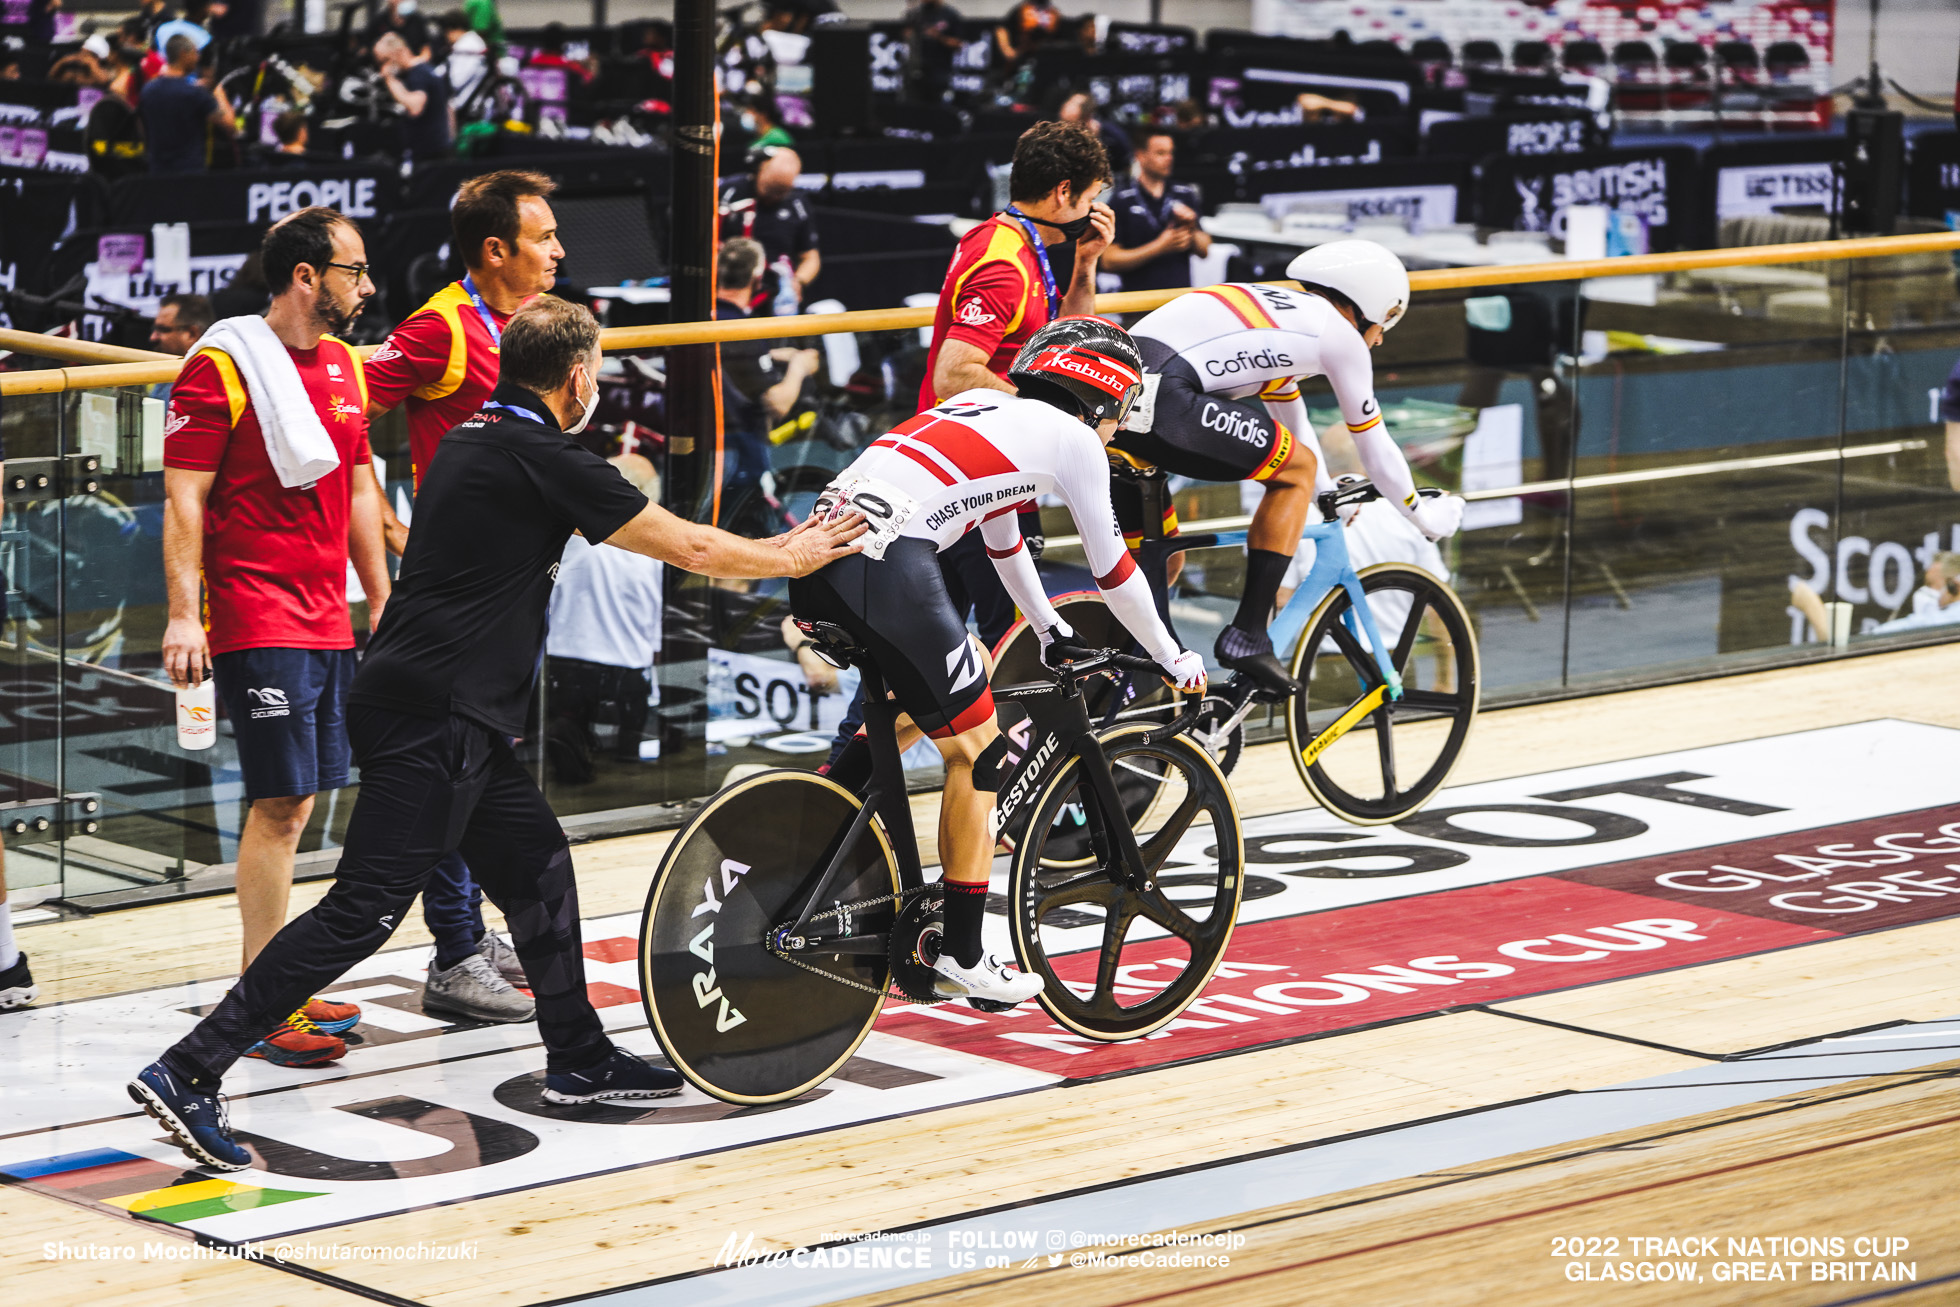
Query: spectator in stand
[754, 399]
[1320, 109]
[133, 35]
[150, 15]
[766, 209]
[195, 23]
[263, 560]
[78, 69]
[1026, 26]
[604, 632]
[1001, 287]
[932, 28]
[1080, 107]
[9, 66]
[442, 362]
[468, 59]
[115, 131]
[551, 54]
[290, 130]
[486, 22]
[1157, 228]
[1936, 603]
[181, 319]
[762, 121]
[427, 125]
[179, 112]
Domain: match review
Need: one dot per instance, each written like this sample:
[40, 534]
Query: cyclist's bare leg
[1282, 513]
[966, 841]
[1270, 544]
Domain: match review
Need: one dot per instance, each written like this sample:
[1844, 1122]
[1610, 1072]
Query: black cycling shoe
[1252, 656]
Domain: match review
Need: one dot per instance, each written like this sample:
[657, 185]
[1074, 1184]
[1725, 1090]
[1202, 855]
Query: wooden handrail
[55, 380]
[75, 351]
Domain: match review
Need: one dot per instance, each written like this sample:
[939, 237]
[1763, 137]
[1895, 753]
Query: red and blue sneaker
[299, 1043]
[332, 1018]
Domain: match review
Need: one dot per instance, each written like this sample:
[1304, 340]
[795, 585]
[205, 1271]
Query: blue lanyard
[1041, 259]
[483, 311]
[512, 408]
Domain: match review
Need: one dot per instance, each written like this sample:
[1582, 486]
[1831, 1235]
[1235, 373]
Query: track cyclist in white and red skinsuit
[972, 462]
[1212, 353]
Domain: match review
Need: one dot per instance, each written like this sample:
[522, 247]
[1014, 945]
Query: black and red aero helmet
[1082, 365]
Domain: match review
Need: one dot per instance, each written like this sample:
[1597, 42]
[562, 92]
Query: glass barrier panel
[168, 818]
[1887, 575]
[33, 687]
[1709, 414]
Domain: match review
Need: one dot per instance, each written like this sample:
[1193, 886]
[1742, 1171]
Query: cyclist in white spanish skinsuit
[971, 463]
[1214, 351]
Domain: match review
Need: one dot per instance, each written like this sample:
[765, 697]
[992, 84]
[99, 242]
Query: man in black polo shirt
[1156, 222]
[766, 209]
[442, 688]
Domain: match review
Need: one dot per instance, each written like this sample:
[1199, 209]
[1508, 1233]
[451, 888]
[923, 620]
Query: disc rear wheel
[741, 1021]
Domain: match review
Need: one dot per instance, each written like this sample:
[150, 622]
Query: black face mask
[1070, 230]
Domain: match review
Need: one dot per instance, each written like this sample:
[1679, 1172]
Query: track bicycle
[1378, 723]
[787, 909]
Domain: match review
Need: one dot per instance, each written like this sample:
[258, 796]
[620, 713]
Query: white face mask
[586, 416]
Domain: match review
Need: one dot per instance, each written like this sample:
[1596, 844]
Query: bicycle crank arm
[781, 941]
[1347, 721]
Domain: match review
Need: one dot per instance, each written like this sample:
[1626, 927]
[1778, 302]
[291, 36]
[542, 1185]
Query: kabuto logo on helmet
[1104, 373]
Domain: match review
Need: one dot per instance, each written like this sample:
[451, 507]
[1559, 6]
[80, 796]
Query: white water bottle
[197, 716]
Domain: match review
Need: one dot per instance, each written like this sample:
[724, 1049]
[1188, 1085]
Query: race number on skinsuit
[886, 509]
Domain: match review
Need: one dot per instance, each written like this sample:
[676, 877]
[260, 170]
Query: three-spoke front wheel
[1367, 757]
[1118, 961]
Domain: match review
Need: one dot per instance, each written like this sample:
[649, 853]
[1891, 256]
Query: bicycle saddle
[832, 642]
[1130, 467]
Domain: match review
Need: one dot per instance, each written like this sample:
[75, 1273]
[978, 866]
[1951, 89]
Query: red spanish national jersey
[993, 298]
[443, 362]
[275, 560]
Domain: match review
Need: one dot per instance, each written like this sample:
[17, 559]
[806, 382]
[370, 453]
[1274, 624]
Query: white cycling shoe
[990, 978]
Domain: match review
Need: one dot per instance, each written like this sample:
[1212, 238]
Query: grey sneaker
[503, 957]
[472, 988]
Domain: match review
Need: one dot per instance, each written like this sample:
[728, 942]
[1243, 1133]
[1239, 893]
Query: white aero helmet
[1363, 273]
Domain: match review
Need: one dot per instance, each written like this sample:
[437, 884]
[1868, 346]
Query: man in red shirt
[266, 566]
[442, 363]
[1003, 286]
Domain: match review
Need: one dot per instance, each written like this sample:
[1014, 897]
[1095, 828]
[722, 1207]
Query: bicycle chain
[841, 908]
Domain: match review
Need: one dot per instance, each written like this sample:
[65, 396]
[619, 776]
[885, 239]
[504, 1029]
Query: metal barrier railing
[139, 368]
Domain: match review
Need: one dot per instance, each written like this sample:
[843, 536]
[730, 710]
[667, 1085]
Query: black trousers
[429, 787]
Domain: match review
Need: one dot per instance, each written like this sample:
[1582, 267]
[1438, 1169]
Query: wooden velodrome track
[1422, 1159]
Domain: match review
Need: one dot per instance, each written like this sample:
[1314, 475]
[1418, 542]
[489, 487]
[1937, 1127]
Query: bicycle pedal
[991, 1005]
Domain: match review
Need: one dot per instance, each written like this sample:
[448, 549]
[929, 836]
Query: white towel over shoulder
[295, 440]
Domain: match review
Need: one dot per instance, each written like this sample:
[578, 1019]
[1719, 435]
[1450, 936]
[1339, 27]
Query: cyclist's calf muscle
[966, 835]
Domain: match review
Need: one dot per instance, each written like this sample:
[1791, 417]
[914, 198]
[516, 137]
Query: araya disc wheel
[739, 1020]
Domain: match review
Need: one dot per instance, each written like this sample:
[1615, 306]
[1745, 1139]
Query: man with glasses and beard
[256, 571]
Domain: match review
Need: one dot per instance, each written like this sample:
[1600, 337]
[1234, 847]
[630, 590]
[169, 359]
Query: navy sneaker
[195, 1120]
[621, 1078]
